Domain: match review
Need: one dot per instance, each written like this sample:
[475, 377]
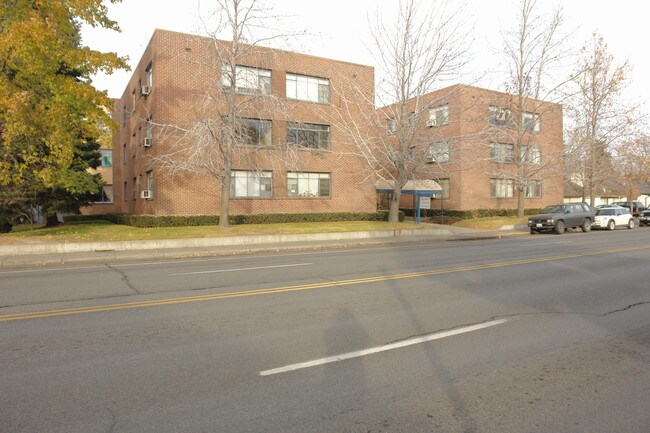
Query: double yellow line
[340, 283]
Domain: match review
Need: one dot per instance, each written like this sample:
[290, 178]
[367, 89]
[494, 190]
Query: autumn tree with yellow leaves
[51, 117]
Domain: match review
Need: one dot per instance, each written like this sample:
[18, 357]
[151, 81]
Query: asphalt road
[537, 333]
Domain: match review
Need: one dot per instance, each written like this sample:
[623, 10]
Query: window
[444, 184]
[125, 192]
[106, 158]
[533, 189]
[502, 188]
[247, 79]
[124, 152]
[251, 184]
[438, 152]
[530, 155]
[309, 135]
[530, 121]
[105, 195]
[501, 153]
[133, 101]
[438, 116]
[149, 75]
[134, 144]
[134, 189]
[252, 132]
[148, 133]
[150, 183]
[123, 116]
[306, 88]
[391, 126]
[499, 116]
[308, 185]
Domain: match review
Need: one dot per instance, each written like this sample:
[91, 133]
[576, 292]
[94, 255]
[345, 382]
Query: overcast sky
[339, 29]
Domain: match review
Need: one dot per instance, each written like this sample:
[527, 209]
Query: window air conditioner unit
[145, 90]
[147, 142]
[432, 122]
[146, 193]
[431, 158]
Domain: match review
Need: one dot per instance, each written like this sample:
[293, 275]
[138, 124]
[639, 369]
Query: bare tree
[228, 128]
[632, 162]
[532, 52]
[414, 54]
[600, 119]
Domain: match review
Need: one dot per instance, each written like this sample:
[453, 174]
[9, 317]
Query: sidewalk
[42, 254]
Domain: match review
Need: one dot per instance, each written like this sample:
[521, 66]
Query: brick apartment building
[293, 95]
[480, 146]
[476, 138]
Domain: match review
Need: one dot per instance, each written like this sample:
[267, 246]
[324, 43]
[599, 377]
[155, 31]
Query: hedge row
[468, 214]
[147, 221]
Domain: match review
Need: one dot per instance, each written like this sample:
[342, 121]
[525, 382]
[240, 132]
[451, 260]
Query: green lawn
[105, 231]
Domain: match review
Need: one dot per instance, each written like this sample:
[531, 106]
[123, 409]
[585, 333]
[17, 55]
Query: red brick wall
[185, 70]
[469, 134]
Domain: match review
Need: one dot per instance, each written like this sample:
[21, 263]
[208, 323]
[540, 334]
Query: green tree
[51, 117]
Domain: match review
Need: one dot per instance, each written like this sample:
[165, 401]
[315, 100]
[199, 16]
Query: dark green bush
[457, 215]
[147, 221]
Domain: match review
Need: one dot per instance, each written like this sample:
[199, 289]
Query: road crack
[125, 278]
[629, 307]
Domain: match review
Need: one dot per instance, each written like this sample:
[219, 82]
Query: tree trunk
[225, 199]
[520, 202]
[51, 220]
[393, 213]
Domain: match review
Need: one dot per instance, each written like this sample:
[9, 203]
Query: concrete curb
[514, 227]
[80, 247]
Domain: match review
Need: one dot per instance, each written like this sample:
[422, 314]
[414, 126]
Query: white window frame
[530, 154]
[248, 80]
[106, 158]
[264, 130]
[445, 185]
[502, 188]
[149, 75]
[533, 189]
[502, 153]
[307, 88]
[150, 183]
[499, 116]
[391, 126]
[438, 152]
[530, 121]
[308, 185]
[105, 195]
[251, 184]
[320, 132]
[438, 116]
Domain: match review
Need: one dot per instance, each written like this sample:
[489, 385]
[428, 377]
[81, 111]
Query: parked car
[644, 218]
[637, 206]
[558, 217]
[611, 217]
